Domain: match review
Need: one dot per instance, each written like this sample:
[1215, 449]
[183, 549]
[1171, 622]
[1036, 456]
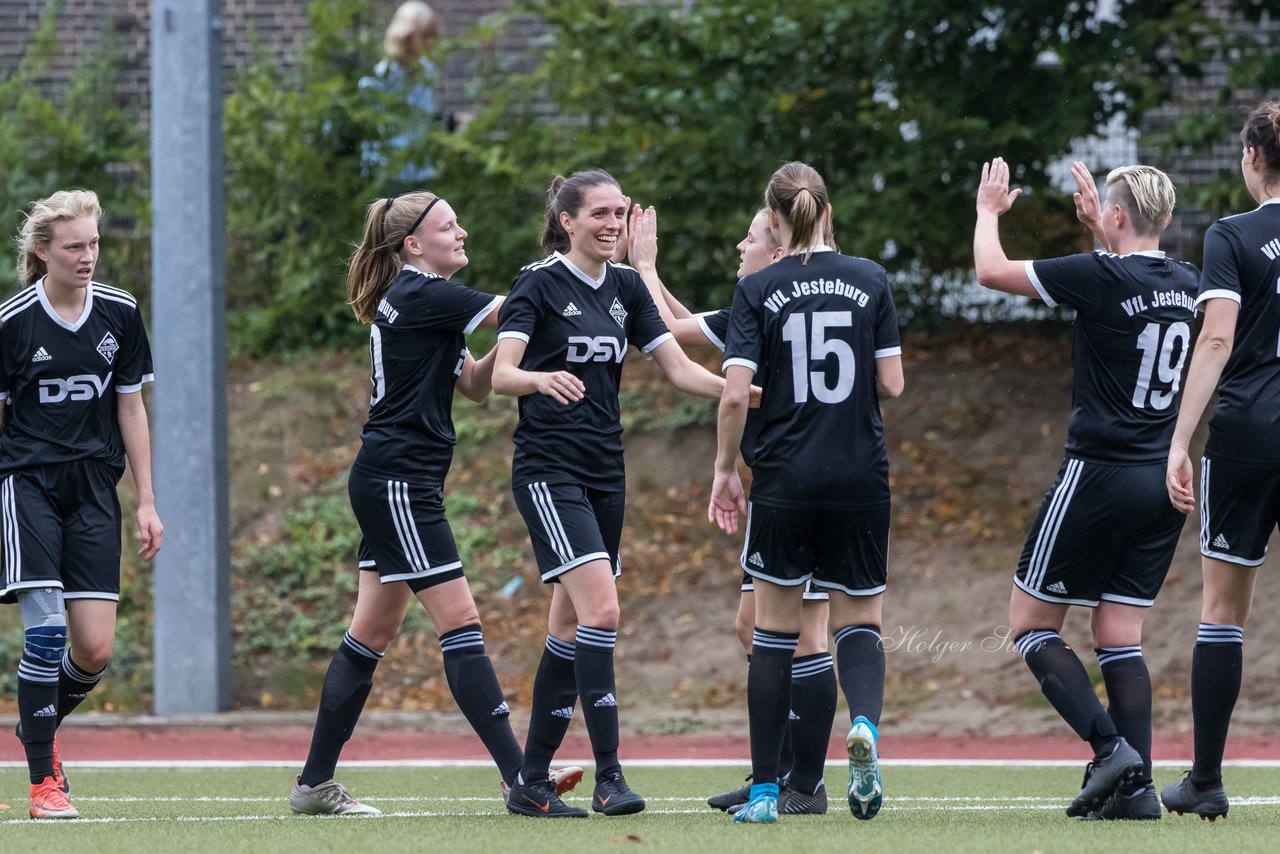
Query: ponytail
[1262, 133]
[797, 194]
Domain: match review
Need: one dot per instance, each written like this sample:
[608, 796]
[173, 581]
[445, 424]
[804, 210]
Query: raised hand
[644, 238]
[994, 195]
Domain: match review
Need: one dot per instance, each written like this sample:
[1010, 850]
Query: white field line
[889, 762]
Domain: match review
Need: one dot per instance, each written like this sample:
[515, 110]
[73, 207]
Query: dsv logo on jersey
[602, 348]
[79, 387]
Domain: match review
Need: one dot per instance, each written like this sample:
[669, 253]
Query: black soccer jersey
[1242, 262]
[715, 325]
[59, 380]
[571, 322]
[417, 349]
[1132, 335]
[812, 334]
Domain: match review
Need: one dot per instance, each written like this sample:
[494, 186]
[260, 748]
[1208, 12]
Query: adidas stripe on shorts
[1104, 532]
[845, 550]
[405, 534]
[571, 525]
[61, 529]
[1239, 508]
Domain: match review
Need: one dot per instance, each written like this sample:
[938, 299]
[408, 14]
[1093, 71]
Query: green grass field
[937, 810]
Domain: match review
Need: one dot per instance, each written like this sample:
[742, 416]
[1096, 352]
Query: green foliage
[83, 135]
[295, 185]
[896, 102]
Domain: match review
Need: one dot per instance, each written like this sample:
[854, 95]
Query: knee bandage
[44, 621]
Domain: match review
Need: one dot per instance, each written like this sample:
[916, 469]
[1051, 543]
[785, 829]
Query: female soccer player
[820, 332]
[398, 281]
[1236, 353]
[73, 359]
[563, 333]
[813, 685]
[1105, 534]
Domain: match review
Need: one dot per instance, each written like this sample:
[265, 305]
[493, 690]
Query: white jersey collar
[53, 313]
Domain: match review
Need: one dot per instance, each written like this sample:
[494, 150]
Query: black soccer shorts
[61, 529]
[1239, 508]
[405, 534]
[845, 550]
[811, 593]
[571, 525]
[1104, 532]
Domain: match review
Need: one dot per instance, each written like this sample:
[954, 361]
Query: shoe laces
[49, 796]
[333, 792]
[616, 782]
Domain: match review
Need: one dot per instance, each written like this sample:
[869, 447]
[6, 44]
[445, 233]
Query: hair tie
[417, 222]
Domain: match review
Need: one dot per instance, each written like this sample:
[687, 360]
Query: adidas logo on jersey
[566, 712]
[502, 709]
[1057, 587]
[570, 310]
[606, 700]
[1220, 542]
[756, 560]
[108, 347]
[42, 355]
[47, 712]
[618, 312]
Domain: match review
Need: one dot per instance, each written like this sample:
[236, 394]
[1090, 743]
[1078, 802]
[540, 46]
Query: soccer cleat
[762, 808]
[729, 800]
[792, 801]
[540, 801]
[866, 790]
[614, 797]
[1183, 797]
[565, 779]
[50, 802]
[1103, 775]
[1128, 803]
[328, 798]
[59, 773]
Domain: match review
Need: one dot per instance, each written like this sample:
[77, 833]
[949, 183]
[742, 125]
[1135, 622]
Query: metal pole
[192, 573]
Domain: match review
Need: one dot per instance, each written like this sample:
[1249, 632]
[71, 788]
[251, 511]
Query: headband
[417, 222]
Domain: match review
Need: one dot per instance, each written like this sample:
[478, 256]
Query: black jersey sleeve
[888, 336]
[1220, 278]
[523, 308]
[1071, 280]
[444, 306]
[646, 329]
[715, 325]
[133, 362]
[742, 346]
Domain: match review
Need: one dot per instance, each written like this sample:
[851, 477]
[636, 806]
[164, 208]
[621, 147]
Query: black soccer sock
[1216, 668]
[38, 712]
[555, 693]
[1065, 684]
[475, 688]
[594, 669]
[769, 699]
[346, 687]
[74, 685]
[1129, 699]
[860, 659]
[813, 710]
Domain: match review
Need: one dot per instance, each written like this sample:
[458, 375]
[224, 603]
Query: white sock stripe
[1029, 641]
[360, 648]
[1108, 656]
[559, 648]
[600, 638]
[69, 667]
[805, 669]
[37, 673]
[1216, 634]
[542, 501]
[1048, 534]
[772, 640]
[850, 630]
[461, 641]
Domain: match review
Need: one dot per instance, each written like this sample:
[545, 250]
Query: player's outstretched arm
[136, 433]
[510, 379]
[993, 267]
[1088, 205]
[476, 380]
[728, 499]
[684, 373]
[643, 256]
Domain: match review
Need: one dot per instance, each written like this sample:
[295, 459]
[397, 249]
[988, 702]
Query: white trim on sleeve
[889, 351]
[511, 333]
[657, 342]
[743, 363]
[483, 313]
[1220, 293]
[1035, 283]
[711, 336]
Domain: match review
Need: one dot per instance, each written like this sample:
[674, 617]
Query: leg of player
[860, 660]
[1216, 670]
[45, 637]
[380, 609]
[744, 623]
[773, 647]
[1117, 640]
[813, 711]
[1035, 625]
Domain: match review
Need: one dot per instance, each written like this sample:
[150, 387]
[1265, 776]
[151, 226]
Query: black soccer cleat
[614, 797]
[1183, 797]
[792, 801]
[735, 798]
[540, 800]
[1103, 776]
[1128, 803]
